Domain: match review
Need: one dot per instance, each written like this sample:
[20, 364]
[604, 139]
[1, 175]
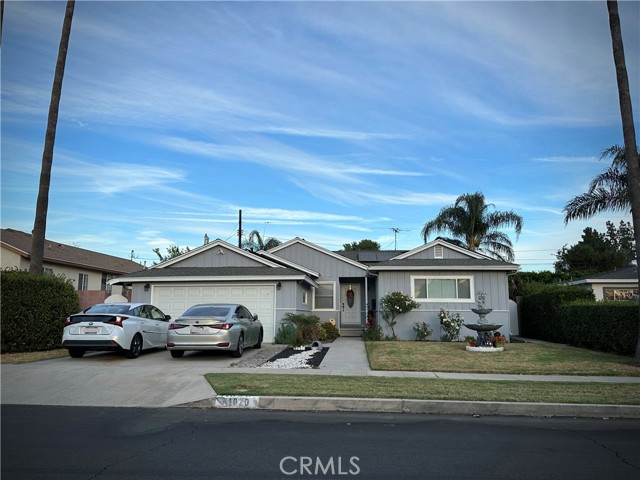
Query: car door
[161, 325]
[242, 321]
[144, 326]
[252, 327]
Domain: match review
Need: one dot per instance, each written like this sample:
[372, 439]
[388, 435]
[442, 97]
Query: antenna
[395, 231]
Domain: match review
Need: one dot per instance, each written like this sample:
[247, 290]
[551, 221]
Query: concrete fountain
[484, 342]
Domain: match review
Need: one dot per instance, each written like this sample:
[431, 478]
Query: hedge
[606, 326]
[540, 310]
[34, 308]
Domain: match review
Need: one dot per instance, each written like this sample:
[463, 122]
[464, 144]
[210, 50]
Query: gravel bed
[291, 358]
[260, 356]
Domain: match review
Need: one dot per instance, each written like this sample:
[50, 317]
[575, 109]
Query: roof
[59, 253]
[302, 241]
[369, 257]
[179, 274]
[624, 275]
[445, 264]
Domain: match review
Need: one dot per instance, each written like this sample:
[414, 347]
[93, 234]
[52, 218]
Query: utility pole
[239, 228]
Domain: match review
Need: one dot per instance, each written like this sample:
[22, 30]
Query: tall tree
[628, 131]
[365, 244]
[608, 191]
[42, 204]
[255, 242]
[474, 226]
[172, 252]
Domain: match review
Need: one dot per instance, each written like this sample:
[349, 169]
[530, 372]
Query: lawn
[423, 389]
[517, 358]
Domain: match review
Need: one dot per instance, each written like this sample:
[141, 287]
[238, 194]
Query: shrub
[286, 334]
[394, 304]
[606, 326]
[451, 323]
[422, 330]
[540, 310]
[329, 332]
[308, 328]
[34, 308]
[372, 331]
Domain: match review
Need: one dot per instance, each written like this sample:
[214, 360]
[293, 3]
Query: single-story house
[301, 277]
[621, 284]
[89, 271]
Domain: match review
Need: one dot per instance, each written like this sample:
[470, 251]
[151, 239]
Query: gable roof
[217, 244]
[302, 241]
[288, 263]
[369, 257]
[444, 243]
[59, 253]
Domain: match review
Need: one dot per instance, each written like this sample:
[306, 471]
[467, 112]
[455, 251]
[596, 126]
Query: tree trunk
[629, 134]
[42, 205]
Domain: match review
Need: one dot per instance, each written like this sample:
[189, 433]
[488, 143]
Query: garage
[259, 299]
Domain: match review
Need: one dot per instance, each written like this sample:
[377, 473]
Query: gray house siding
[429, 253]
[494, 284]
[212, 258]
[331, 270]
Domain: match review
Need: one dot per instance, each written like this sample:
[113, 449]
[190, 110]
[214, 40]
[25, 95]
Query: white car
[124, 327]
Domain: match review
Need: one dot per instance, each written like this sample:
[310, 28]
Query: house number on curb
[233, 401]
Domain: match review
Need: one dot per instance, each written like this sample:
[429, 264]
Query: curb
[432, 407]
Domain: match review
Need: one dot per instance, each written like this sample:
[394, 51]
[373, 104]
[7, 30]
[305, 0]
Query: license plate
[90, 329]
[197, 330]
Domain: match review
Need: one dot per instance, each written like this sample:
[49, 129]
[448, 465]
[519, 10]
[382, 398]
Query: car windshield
[207, 311]
[103, 308]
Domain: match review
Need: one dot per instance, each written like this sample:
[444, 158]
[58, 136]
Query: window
[47, 271]
[620, 293]
[83, 281]
[323, 298]
[441, 288]
[305, 297]
[104, 285]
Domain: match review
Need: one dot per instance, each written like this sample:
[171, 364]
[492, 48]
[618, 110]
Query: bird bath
[485, 330]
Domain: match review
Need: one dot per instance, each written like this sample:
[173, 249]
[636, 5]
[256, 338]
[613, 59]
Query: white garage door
[259, 299]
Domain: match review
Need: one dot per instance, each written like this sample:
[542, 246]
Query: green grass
[423, 389]
[517, 358]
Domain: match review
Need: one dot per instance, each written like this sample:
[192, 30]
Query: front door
[350, 304]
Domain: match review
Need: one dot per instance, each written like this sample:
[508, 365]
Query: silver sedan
[214, 326]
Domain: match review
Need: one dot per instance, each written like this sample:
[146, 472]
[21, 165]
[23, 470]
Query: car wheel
[76, 352]
[135, 348]
[177, 353]
[259, 344]
[237, 353]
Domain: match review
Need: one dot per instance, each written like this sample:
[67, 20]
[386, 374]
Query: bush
[540, 310]
[34, 308]
[286, 334]
[308, 328]
[422, 330]
[372, 331]
[329, 332]
[606, 326]
[394, 304]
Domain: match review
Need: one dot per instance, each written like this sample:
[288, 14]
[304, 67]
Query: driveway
[154, 379]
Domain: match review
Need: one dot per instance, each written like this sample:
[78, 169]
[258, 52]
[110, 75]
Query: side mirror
[167, 317]
[255, 317]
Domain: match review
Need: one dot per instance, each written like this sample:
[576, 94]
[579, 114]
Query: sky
[330, 121]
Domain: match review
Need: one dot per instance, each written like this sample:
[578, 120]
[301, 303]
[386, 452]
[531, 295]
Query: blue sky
[331, 121]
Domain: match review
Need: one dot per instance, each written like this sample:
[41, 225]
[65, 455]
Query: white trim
[441, 268]
[217, 244]
[471, 298]
[439, 241]
[317, 248]
[596, 281]
[315, 309]
[182, 279]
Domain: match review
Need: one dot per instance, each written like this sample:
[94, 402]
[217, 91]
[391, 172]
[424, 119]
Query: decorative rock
[484, 349]
[317, 346]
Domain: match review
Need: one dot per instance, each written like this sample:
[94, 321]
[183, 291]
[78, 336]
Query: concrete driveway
[154, 379]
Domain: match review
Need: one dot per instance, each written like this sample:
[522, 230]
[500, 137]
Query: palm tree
[608, 191]
[42, 204]
[474, 227]
[255, 242]
[628, 131]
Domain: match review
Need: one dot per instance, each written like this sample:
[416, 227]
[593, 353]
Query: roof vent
[438, 251]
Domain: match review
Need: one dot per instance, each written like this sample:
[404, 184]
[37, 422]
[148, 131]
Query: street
[57, 442]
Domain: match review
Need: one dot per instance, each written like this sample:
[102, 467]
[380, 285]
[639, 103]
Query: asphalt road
[59, 442]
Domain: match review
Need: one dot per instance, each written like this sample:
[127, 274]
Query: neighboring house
[301, 277]
[620, 284]
[89, 271]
